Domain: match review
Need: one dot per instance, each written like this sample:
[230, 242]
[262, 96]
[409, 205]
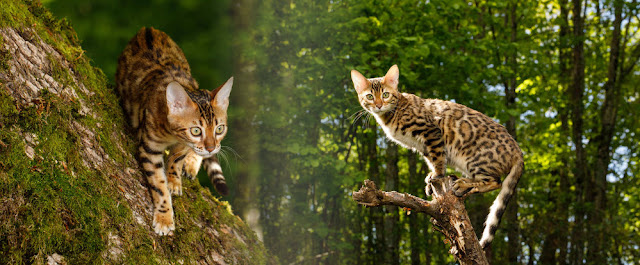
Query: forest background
[561, 75]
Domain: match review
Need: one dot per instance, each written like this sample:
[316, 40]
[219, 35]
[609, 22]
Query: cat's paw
[428, 189]
[175, 186]
[190, 170]
[163, 223]
[461, 187]
[431, 176]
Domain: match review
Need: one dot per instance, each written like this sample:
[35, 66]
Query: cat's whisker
[222, 155]
[358, 117]
[227, 149]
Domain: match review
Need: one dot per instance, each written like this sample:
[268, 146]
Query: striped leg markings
[151, 162]
[175, 163]
[434, 156]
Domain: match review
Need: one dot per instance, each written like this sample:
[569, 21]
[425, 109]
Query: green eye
[385, 95]
[369, 96]
[196, 131]
[220, 129]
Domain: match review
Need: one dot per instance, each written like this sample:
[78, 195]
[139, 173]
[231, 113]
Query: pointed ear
[391, 78]
[359, 81]
[221, 95]
[178, 101]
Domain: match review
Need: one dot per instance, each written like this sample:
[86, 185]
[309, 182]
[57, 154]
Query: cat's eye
[220, 129]
[385, 95]
[196, 131]
[370, 96]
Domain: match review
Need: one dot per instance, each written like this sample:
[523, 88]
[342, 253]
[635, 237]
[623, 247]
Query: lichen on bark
[70, 188]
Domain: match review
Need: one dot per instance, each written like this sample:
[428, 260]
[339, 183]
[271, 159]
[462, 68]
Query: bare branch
[447, 211]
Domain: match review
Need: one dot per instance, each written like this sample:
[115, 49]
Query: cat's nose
[210, 148]
[379, 105]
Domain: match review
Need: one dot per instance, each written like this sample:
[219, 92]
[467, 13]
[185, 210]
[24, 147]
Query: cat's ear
[221, 95]
[178, 101]
[391, 78]
[359, 81]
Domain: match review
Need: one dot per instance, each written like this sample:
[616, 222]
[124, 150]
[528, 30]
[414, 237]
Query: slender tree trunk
[576, 93]
[565, 199]
[414, 226]
[556, 238]
[511, 215]
[246, 177]
[392, 218]
[608, 116]
[376, 214]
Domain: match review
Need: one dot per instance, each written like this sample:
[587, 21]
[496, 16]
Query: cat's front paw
[163, 223]
[431, 176]
[461, 187]
[428, 189]
[175, 186]
[190, 170]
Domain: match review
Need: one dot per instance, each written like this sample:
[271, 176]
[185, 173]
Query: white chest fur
[405, 140]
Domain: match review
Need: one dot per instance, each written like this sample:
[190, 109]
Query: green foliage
[454, 50]
[314, 150]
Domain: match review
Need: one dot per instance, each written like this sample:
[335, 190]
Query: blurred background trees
[561, 75]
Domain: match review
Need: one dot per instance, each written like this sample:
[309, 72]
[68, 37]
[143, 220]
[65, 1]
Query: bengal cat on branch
[167, 110]
[446, 133]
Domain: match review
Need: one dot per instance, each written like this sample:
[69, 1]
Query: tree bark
[246, 179]
[608, 117]
[576, 93]
[448, 213]
[415, 234]
[376, 215]
[392, 218]
[555, 244]
[511, 215]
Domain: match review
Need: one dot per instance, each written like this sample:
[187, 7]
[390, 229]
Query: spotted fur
[446, 133]
[167, 111]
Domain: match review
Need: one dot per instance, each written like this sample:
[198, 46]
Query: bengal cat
[446, 133]
[167, 111]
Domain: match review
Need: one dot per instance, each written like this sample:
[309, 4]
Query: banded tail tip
[222, 188]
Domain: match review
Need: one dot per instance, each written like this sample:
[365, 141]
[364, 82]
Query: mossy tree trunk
[70, 187]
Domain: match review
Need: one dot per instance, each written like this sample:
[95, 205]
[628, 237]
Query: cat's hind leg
[478, 184]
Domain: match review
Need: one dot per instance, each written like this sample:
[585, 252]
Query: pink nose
[210, 148]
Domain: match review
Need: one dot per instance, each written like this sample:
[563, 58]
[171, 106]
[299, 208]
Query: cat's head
[198, 118]
[377, 95]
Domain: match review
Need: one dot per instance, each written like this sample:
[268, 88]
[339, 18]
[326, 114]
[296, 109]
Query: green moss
[53, 203]
[4, 56]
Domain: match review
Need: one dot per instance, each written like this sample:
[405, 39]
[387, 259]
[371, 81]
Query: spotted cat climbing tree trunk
[70, 189]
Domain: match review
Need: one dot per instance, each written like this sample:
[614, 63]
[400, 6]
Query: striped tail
[500, 204]
[212, 166]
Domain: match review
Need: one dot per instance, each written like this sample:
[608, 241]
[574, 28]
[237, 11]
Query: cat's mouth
[206, 154]
[382, 110]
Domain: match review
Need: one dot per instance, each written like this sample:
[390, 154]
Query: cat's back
[150, 61]
[469, 134]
